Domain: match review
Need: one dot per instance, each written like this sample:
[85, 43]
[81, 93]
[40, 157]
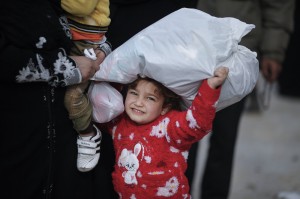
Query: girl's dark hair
[171, 98]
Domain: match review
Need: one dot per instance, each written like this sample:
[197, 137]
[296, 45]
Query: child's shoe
[88, 151]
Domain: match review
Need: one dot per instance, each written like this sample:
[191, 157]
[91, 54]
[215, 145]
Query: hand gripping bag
[182, 49]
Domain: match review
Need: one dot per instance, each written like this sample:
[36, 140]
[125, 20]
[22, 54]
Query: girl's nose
[139, 101]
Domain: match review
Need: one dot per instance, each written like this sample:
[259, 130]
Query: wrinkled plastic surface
[106, 101]
[181, 50]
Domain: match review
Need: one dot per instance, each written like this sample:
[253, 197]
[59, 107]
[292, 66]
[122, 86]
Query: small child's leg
[89, 138]
[80, 112]
[79, 107]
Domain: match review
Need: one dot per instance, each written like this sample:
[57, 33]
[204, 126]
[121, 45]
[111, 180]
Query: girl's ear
[166, 109]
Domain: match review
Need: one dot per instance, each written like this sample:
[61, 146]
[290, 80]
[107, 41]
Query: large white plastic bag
[181, 50]
[106, 101]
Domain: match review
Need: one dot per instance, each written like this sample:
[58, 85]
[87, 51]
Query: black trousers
[218, 168]
[288, 81]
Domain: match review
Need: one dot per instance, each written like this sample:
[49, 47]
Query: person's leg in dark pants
[192, 158]
[216, 178]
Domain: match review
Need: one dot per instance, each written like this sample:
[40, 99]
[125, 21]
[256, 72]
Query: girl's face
[144, 103]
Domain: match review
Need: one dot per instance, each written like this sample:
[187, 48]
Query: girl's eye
[133, 92]
[151, 98]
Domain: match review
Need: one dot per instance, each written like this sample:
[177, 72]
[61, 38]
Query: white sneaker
[88, 151]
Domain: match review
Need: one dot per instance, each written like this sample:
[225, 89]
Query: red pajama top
[151, 159]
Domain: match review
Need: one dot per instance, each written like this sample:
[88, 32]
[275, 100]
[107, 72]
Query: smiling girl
[152, 138]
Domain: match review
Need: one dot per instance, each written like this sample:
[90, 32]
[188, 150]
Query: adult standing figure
[274, 24]
[39, 148]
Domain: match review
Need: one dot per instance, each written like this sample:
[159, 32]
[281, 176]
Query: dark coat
[273, 26]
[38, 149]
[128, 17]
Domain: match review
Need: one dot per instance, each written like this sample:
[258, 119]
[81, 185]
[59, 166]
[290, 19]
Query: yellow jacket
[88, 12]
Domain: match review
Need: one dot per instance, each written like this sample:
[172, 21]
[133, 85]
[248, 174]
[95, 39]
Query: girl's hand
[219, 77]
